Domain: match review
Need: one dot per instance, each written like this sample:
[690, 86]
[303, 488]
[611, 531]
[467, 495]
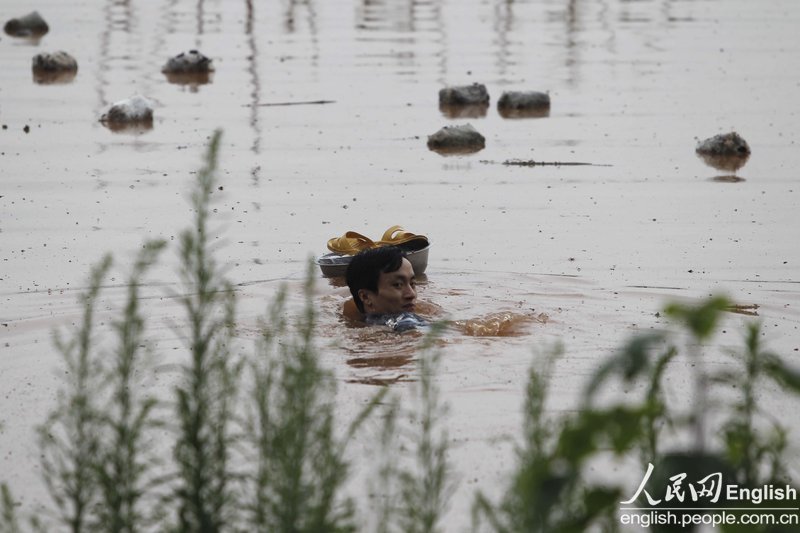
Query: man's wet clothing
[398, 322]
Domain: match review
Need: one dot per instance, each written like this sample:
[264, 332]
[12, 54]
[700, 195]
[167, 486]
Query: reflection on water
[503, 26]
[731, 163]
[255, 83]
[386, 15]
[732, 178]
[464, 111]
[132, 128]
[50, 77]
[405, 26]
[192, 80]
[510, 113]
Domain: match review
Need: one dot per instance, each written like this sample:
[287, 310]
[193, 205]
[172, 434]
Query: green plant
[549, 491]
[756, 453]
[69, 438]
[414, 476]
[120, 463]
[204, 400]
[301, 465]
[426, 488]
[8, 517]
[91, 456]
[701, 322]
[94, 442]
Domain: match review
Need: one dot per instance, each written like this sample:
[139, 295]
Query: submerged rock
[191, 62]
[728, 152]
[475, 94]
[523, 100]
[135, 110]
[726, 144]
[462, 139]
[31, 24]
[54, 62]
[53, 68]
[523, 104]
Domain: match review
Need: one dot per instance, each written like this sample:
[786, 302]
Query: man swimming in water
[383, 286]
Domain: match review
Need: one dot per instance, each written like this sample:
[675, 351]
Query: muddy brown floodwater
[582, 254]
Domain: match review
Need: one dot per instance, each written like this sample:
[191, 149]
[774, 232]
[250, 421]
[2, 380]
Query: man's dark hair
[366, 267]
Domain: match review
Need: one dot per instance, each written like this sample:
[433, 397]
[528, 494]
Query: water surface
[596, 249]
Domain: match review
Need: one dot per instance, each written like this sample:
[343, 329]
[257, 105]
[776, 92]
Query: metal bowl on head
[334, 265]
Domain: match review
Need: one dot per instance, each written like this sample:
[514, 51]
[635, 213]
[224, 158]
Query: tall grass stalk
[204, 490]
[121, 463]
[301, 462]
[383, 488]
[8, 516]
[426, 487]
[756, 449]
[701, 322]
[540, 495]
[69, 438]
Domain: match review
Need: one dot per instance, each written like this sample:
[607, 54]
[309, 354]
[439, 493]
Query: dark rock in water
[191, 62]
[55, 62]
[727, 151]
[523, 104]
[135, 110]
[31, 24]
[457, 139]
[523, 100]
[475, 94]
[727, 144]
[58, 67]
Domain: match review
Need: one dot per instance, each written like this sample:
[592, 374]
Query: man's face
[396, 292]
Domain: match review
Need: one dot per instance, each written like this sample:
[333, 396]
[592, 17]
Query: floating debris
[532, 163]
[743, 309]
[136, 111]
[457, 139]
[282, 104]
[524, 104]
[31, 25]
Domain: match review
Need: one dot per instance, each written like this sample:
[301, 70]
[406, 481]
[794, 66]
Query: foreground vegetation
[255, 443]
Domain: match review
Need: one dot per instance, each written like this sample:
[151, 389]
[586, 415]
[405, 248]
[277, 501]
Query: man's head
[382, 281]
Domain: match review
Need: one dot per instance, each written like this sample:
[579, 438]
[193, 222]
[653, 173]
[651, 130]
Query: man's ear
[365, 295]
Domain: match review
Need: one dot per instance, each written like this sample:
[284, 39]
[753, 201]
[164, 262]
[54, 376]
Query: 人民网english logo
[712, 499]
